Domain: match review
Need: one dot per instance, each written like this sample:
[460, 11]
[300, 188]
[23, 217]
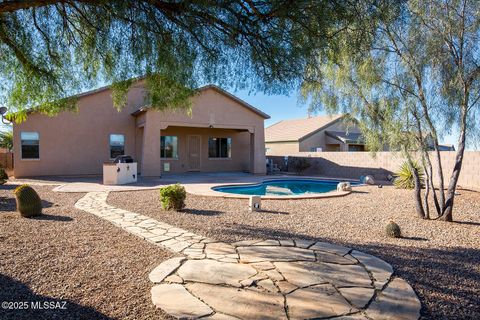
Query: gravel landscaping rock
[440, 260]
[98, 269]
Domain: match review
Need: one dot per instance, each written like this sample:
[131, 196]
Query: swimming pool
[283, 187]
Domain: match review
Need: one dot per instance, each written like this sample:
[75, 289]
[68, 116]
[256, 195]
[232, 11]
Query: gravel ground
[441, 260]
[99, 270]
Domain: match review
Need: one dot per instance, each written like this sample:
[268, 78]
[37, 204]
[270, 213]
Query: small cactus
[393, 230]
[28, 201]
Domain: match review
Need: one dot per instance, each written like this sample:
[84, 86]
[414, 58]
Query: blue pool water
[284, 187]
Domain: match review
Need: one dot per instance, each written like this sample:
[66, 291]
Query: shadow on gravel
[447, 280]
[7, 204]
[19, 302]
[203, 212]
[49, 217]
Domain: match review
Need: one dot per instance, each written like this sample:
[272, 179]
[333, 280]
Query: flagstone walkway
[263, 279]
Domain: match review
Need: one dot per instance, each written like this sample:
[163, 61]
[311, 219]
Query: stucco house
[314, 134]
[222, 133]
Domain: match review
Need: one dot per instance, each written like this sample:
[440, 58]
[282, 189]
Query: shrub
[28, 201]
[173, 197]
[393, 230]
[3, 176]
[404, 177]
[299, 165]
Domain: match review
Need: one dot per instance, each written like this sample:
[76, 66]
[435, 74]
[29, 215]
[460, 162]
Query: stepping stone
[397, 301]
[241, 303]
[267, 243]
[317, 302]
[245, 243]
[220, 316]
[352, 317]
[381, 271]
[304, 274]
[159, 238]
[273, 253]
[267, 265]
[287, 243]
[332, 258]
[303, 243]
[174, 279]
[274, 275]
[175, 300]
[164, 269]
[268, 285]
[215, 272]
[219, 248]
[357, 296]
[286, 287]
[331, 248]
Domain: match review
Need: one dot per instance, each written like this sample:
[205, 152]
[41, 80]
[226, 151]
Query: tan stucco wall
[209, 108]
[78, 143]
[281, 148]
[240, 156]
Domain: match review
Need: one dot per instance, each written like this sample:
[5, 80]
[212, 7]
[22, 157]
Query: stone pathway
[263, 279]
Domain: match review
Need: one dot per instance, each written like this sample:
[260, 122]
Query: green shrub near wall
[173, 197]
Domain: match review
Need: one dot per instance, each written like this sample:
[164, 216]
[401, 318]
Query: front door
[193, 153]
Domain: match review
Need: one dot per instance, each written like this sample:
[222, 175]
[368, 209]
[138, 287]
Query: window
[117, 145]
[169, 147]
[219, 147]
[30, 145]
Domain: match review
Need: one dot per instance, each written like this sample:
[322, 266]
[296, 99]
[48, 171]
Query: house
[222, 133]
[314, 134]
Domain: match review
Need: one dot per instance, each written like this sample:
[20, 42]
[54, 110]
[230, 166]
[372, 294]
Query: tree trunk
[447, 214]
[427, 190]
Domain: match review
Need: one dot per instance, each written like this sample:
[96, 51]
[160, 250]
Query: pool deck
[195, 183]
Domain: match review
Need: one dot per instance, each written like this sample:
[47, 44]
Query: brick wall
[355, 164]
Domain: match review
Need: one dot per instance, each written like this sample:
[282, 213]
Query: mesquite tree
[52, 49]
[414, 79]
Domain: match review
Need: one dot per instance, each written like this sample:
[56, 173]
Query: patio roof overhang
[346, 137]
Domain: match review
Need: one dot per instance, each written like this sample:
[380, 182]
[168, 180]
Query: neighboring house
[223, 133]
[315, 134]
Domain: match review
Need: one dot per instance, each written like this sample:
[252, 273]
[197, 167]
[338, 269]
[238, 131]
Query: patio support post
[151, 166]
[257, 153]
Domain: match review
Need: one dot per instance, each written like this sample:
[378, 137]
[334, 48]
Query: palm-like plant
[404, 178]
[6, 140]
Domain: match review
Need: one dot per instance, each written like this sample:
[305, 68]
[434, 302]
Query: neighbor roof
[221, 91]
[298, 129]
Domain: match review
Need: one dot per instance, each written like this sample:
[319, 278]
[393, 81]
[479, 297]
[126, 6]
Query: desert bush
[393, 230]
[28, 201]
[404, 178]
[299, 165]
[173, 197]
[3, 176]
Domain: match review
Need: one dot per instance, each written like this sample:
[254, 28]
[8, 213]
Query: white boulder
[369, 180]
[344, 186]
